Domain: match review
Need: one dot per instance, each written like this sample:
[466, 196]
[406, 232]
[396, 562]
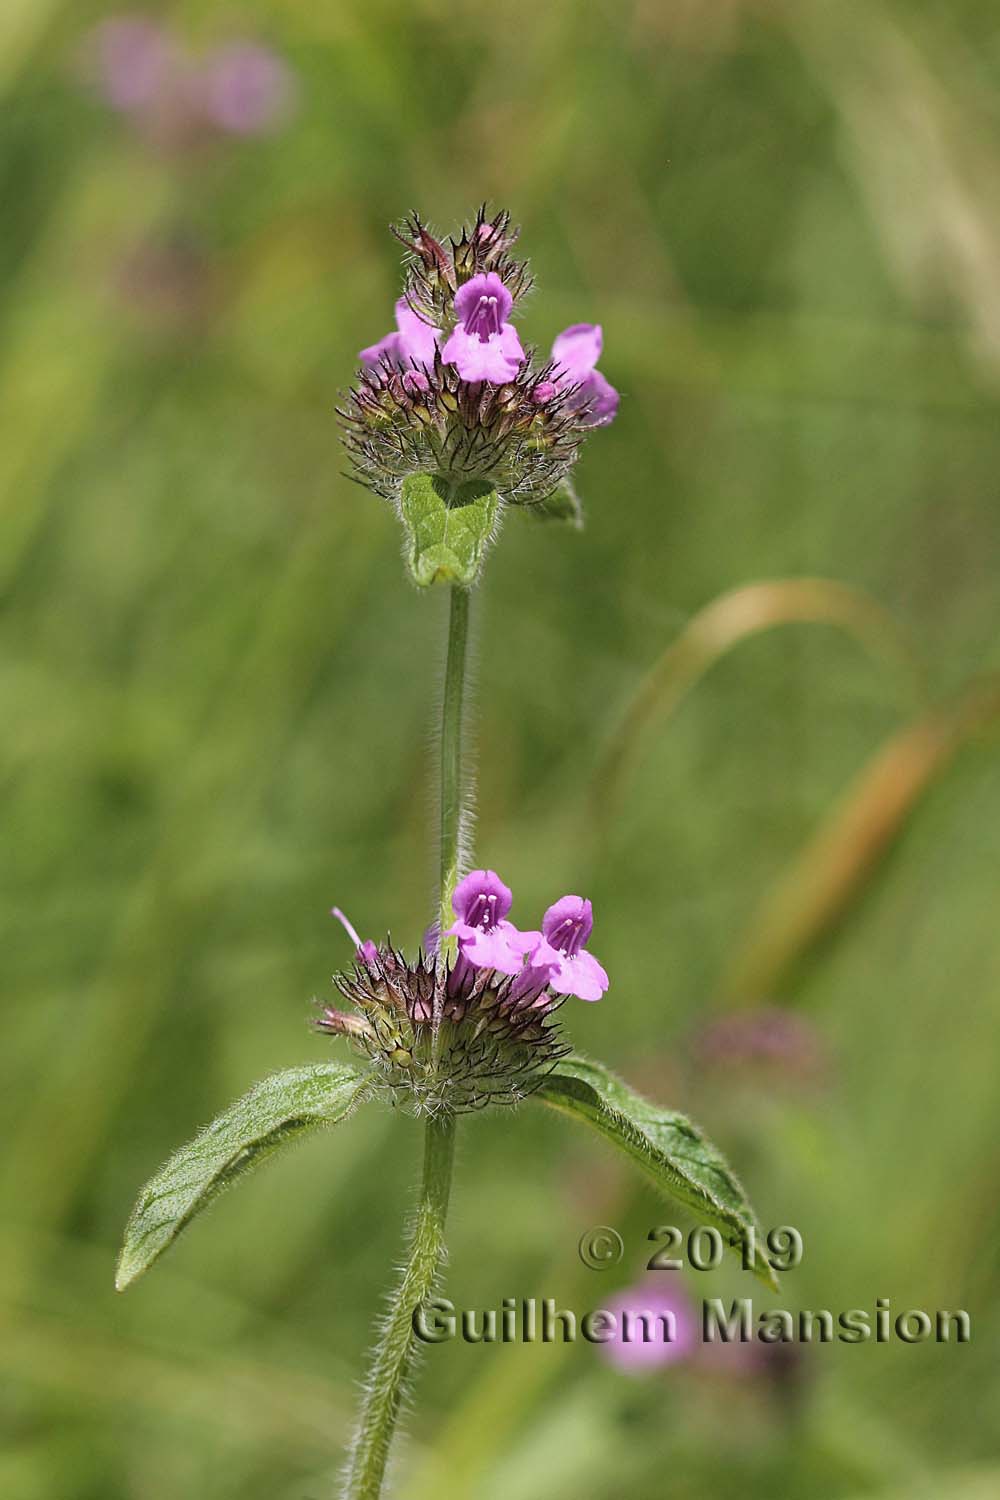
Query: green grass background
[216, 692]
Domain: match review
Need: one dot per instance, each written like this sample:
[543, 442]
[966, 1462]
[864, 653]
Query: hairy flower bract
[458, 1033]
[454, 393]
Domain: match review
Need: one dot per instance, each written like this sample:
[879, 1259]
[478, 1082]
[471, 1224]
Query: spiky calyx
[485, 1047]
[452, 393]
[436, 270]
[521, 438]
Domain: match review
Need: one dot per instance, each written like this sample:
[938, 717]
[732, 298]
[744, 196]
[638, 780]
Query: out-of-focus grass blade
[280, 1407]
[55, 362]
[832, 869]
[907, 118]
[724, 623]
[22, 22]
[954, 1484]
[277, 669]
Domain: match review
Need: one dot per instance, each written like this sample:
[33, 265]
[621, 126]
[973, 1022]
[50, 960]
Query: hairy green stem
[453, 790]
[394, 1352]
[393, 1355]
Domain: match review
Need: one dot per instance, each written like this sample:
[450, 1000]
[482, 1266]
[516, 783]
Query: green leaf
[448, 528]
[276, 1111]
[562, 505]
[663, 1144]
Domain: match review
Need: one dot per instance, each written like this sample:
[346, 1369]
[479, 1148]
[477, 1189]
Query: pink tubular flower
[574, 355]
[531, 985]
[655, 1325]
[566, 927]
[365, 952]
[474, 1028]
[484, 346]
[413, 341]
[486, 940]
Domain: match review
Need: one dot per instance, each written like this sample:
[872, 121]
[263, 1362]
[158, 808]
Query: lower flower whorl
[493, 1041]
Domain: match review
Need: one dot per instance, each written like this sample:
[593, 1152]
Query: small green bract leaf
[562, 505]
[663, 1144]
[448, 528]
[276, 1111]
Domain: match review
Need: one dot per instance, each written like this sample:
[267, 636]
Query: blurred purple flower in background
[133, 58]
[657, 1325]
[140, 69]
[247, 89]
[769, 1037]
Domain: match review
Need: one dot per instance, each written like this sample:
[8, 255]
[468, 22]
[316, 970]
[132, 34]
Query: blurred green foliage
[216, 690]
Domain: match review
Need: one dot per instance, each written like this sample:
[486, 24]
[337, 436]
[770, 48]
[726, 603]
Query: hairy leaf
[663, 1144]
[277, 1110]
[448, 528]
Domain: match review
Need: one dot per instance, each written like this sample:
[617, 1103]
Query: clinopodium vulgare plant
[453, 422]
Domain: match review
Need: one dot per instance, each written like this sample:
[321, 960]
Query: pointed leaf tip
[276, 1111]
[666, 1146]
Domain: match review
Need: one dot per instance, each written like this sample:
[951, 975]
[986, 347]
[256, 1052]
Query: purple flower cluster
[552, 961]
[484, 345]
[482, 1027]
[172, 98]
[542, 964]
[452, 391]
